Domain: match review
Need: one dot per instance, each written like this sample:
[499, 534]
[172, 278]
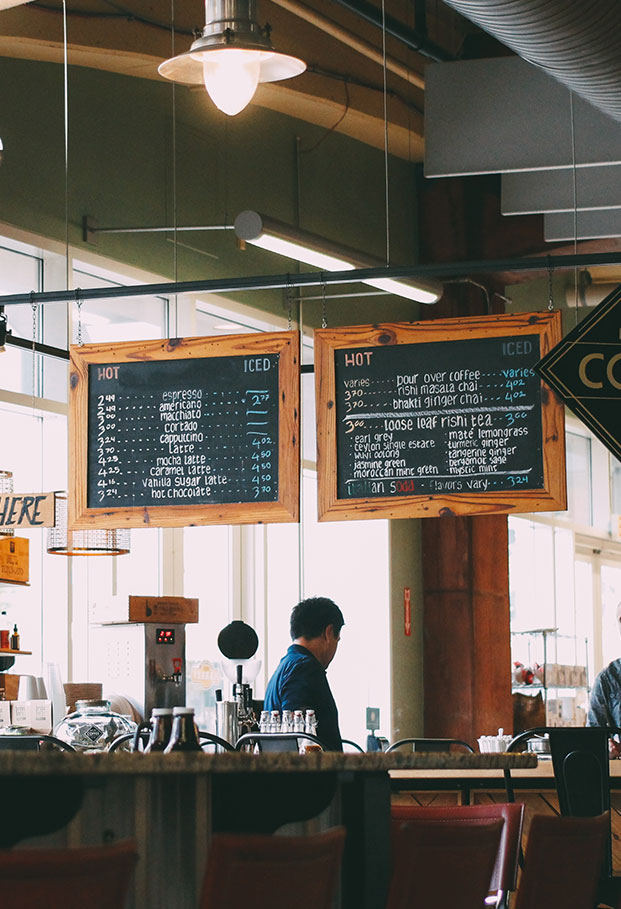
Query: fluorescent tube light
[284, 240]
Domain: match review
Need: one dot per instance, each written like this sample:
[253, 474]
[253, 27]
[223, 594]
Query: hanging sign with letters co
[585, 371]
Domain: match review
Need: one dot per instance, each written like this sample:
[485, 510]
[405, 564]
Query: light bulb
[231, 77]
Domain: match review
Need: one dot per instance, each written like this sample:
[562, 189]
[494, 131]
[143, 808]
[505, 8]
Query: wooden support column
[466, 649]
[467, 653]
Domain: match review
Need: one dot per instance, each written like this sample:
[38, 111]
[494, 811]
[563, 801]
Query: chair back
[444, 864]
[581, 770]
[504, 874]
[127, 741]
[33, 743]
[431, 744]
[273, 872]
[276, 741]
[563, 862]
[93, 876]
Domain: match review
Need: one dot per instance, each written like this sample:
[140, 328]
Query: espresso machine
[238, 643]
[143, 661]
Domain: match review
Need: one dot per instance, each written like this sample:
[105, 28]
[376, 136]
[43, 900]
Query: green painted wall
[124, 148]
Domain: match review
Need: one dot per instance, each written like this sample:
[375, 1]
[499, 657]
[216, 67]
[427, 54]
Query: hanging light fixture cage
[94, 542]
[6, 487]
[231, 56]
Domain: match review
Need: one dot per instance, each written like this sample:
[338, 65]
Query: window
[565, 568]
[256, 573]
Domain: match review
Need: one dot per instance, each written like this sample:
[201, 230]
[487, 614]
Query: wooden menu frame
[552, 495]
[284, 509]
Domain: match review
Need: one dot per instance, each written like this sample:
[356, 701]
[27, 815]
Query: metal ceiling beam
[317, 279]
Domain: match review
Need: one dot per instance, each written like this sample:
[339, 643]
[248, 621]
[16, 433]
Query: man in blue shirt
[300, 682]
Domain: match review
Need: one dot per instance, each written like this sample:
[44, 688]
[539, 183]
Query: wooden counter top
[20, 763]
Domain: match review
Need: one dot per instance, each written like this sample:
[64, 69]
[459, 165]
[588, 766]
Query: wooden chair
[443, 865]
[93, 876]
[504, 876]
[273, 872]
[563, 862]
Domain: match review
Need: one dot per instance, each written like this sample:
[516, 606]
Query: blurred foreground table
[171, 804]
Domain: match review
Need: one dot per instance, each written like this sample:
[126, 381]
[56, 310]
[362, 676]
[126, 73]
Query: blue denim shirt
[300, 683]
[605, 700]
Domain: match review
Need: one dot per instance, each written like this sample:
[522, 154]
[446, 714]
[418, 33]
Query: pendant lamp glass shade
[232, 56]
[94, 542]
[231, 77]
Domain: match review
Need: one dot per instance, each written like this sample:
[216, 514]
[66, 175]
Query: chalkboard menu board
[439, 417]
[185, 431]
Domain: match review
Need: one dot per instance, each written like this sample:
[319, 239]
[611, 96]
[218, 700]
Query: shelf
[549, 687]
[23, 652]
[14, 583]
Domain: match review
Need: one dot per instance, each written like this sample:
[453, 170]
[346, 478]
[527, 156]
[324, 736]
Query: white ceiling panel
[587, 225]
[554, 190]
[503, 115]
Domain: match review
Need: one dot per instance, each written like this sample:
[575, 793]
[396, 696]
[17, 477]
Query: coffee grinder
[238, 643]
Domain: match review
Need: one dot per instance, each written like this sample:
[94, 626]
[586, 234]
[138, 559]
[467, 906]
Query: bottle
[161, 729]
[183, 736]
[264, 722]
[274, 721]
[287, 721]
[310, 724]
[15, 639]
[298, 721]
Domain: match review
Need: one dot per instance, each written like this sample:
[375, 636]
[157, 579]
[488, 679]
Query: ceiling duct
[575, 41]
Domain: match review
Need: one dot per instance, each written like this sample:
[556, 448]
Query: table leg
[365, 812]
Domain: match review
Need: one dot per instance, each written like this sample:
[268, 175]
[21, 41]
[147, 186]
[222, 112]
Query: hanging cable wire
[386, 190]
[66, 113]
[174, 165]
[575, 197]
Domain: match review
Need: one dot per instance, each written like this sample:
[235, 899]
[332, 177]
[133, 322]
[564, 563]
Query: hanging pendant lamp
[95, 542]
[231, 57]
[6, 487]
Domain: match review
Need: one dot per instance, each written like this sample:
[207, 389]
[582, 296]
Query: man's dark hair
[311, 617]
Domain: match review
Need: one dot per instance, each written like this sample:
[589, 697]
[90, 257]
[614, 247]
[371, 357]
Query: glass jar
[93, 726]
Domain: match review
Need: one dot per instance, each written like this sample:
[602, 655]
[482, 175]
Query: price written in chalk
[416, 419]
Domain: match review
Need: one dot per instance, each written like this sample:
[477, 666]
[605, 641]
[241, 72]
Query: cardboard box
[163, 609]
[19, 713]
[39, 713]
[10, 685]
[14, 560]
[35, 713]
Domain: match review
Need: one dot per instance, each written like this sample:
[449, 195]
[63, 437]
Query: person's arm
[600, 714]
[599, 709]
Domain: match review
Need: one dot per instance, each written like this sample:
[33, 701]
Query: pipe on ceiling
[330, 27]
[396, 29]
[575, 41]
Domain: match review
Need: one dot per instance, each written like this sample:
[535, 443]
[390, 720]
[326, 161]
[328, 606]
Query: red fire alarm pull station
[407, 611]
